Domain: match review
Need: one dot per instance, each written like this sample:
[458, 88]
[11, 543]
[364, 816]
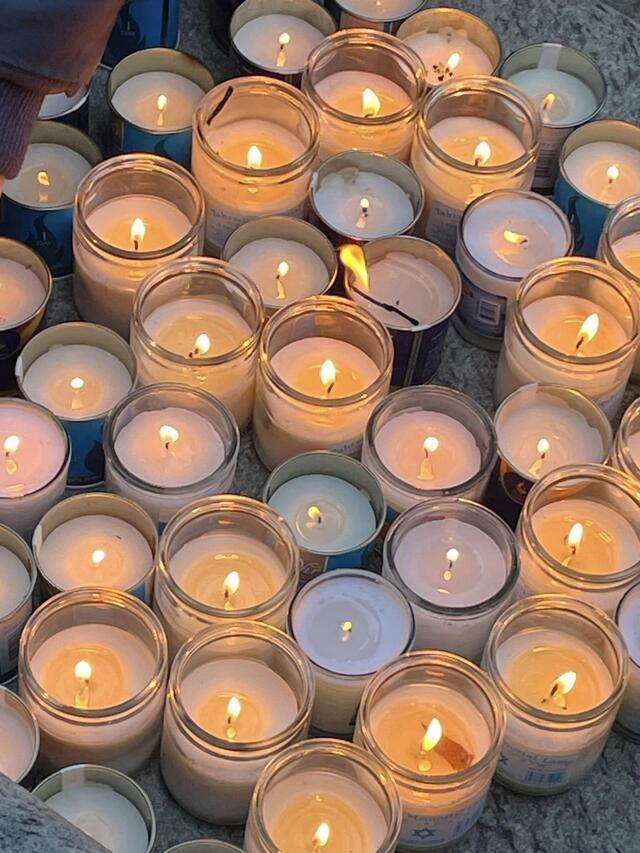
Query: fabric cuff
[19, 110]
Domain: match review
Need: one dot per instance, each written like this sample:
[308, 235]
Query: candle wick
[426, 467]
[387, 306]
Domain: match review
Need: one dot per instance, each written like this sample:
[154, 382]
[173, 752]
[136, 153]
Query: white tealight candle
[157, 100]
[628, 621]
[49, 176]
[448, 53]
[277, 42]
[362, 93]
[19, 737]
[15, 582]
[21, 293]
[563, 99]
[605, 171]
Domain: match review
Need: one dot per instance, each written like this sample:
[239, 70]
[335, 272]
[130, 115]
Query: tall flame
[353, 258]
[138, 232]
[588, 330]
[370, 103]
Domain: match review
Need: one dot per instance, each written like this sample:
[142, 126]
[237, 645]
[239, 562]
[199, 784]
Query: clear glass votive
[254, 143]
[20, 738]
[579, 535]
[258, 560]
[133, 213]
[560, 666]
[627, 618]
[19, 576]
[366, 88]
[574, 322]
[625, 453]
[429, 441]
[436, 722]
[167, 445]
[459, 153]
[324, 364]
[93, 669]
[238, 696]
[197, 322]
[323, 789]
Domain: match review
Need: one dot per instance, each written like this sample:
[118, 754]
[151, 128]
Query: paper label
[482, 311]
[551, 142]
[442, 226]
[535, 769]
[419, 832]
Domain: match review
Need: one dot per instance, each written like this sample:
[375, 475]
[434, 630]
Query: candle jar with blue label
[96, 539]
[26, 289]
[22, 739]
[626, 446]
[334, 506]
[429, 441]
[153, 95]
[561, 668]
[79, 371]
[37, 205]
[599, 168]
[18, 573]
[141, 24]
[68, 109]
[413, 288]
[436, 723]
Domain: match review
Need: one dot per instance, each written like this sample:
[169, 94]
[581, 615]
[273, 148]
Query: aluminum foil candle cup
[17, 598]
[21, 738]
[141, 24]
[625, 454]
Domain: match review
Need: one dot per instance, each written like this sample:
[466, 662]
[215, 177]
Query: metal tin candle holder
[87, 457]
[128, 136]
[401, 495]
[236, 193]
[382, 55]
[229, 376]
[210, 775]
[546, 751]
[624, 454]
[141, 24]
[105, 779]
[12, 623]
[451, 184]
[586, 213]
[253, 10]
[47, 228]
[107, 278]
[526, 358]
[349, 15]
[596, 488]
[162, 502]
[20, 771]
[123, 735]
[283, 228]
[15, 333]
[182, 613]
[417, 350]
[323, 463]
[570, 61]
[286, 421]
[437, 810]
[626, 615]
[84, 507]
[68, 109]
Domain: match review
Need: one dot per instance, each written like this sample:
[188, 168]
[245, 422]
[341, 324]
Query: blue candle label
[420, 832]
[48, 232]
[143, 591]
[551, 141]
[175, 146]
[442, 225]
[482, 311]
[587, 217]
[536, 769]
[141, 24]
[417, 354]
[87, 456]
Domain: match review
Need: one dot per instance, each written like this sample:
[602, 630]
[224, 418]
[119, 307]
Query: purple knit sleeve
[19, 109]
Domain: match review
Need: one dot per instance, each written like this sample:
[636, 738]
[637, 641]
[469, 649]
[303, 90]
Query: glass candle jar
[625, 454]
[167, 445]
[324, 364]
[436, 722]
[468, 580]
[579, 534]
[259, 567]
[19, 575]
[560, 666]
[574, 322]
[133, 213]
[238, 696]
[459, 153]
[254, 144]
[627, 618]
[324, 789]
[93, 669]
[426, 442]
[20, 738]
[197, 322]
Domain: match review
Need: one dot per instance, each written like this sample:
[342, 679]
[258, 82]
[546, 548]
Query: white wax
[64, 170]
[342, 519]
[586, 168]
[137, 100]
[574, 101]
[459, 136]
[380, 10]
[48, 381]
[60, 103]
[307, 274]
[17, 739]
[278, 145]
[435, 49]
[164, 223]
[68, 554]
[40, 452]
[627, 251]
[106, 816]
[338, 201]
[343, 91]
[557, 320]
[21, 293]
[400, 446]
[194, 455]
[14, 582]
[259, 41]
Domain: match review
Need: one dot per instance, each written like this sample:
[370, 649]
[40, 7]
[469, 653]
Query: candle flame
[482, 153]
[574, 537]
[453, 61]
[230, 586]
[254, 157]
[11, 444]
[431, 444]
[283, 269]
[44, 179]
[588, 330]
[161, 104]
[364, 213]
[353, 258]
[328, 375]
[137, 232]
[283, 41]
[370, 103]
[613, 173]
[563, 685]
[83, 672]
[201, 346]
[321, 835]
[98, 556]
[432, 736]
[77, 383]
[234, 707]
[514, 237]
[315, 515]
[347, 628]
[168, 435]
[548, 101]
[453, 555]
[543, 446]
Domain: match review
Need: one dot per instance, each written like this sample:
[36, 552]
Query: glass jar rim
[631, 414]
[27, 559]
[47, 284]
[11, 698]
[434, 10]
[629, 206]
[616, 619]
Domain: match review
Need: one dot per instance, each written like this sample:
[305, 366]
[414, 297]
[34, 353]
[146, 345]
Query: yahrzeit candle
[324, 364]
[20, 737]
[133, 213]
[436, 722]
[474, 135]
[17, 583]
[255, 141]
[93, 669]
[627, 619]
[237, 697]
[365, 87]
[166, 445]
[560, 666]
[222, 560]
[626, 446]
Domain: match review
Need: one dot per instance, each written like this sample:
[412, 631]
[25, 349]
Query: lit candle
[278, 42]
[19, 734]
[49, 176]
[606, 172]
[157, 99]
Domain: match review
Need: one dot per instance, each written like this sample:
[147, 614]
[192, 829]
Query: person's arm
[45, 46]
